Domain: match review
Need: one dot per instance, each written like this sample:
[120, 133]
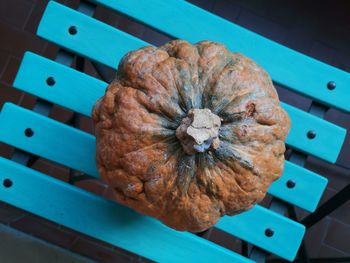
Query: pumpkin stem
[199, 131]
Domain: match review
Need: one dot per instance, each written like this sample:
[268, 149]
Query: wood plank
[307, 190]
[105, 220]
[71, 89]
[50, 139]
[252, 224]
[94, 39]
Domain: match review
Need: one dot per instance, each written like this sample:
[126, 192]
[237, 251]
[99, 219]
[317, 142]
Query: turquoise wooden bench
[75, 31]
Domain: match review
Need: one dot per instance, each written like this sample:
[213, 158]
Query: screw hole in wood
[50, 81]
[311, 134]
[331, 85]
[72, 30]
[7, 183]
[28, 132]
[290, 184]
[269, 232]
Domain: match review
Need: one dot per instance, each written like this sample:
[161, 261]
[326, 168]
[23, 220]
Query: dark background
[320, 29]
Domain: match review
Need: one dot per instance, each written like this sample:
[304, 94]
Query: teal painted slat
[78, 91]
[329, 137]
[75, 149]
[72, 89]
[286, 66]
[51, 139]
[104, 220]
[95, 38]
[287, 235]
[308, 188]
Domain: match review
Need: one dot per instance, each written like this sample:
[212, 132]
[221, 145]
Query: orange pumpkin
[189, 133]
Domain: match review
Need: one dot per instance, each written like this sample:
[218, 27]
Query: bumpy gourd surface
[143, 160]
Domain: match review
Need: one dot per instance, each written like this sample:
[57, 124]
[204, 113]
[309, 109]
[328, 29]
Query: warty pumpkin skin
[189, 133]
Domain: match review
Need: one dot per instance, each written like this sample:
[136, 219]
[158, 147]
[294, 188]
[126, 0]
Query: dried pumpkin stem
[199, 131]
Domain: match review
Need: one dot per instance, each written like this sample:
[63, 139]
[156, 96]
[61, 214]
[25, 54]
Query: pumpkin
[189, 133]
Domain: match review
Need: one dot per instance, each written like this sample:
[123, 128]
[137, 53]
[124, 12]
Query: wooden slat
[79, 92]
[287, 67]
[52, 135]
[105, 220]
[308, 188]
[94, 39]
[251, 225]
[72, 89]
[329, 137]
[51, 139]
